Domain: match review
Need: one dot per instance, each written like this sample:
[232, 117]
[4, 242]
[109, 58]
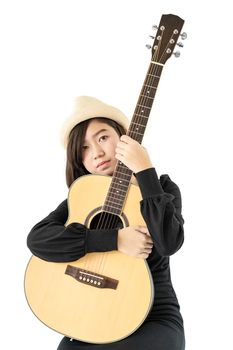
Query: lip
[102, 163]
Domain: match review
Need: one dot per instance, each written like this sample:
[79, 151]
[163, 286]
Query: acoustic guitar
[104, 297]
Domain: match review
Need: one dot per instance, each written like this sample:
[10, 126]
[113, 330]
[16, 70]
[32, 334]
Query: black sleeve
[50, 240]
[161, 209]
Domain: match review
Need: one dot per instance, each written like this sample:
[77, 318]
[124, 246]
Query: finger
[148, 233]
[142, 228]
[126, 138]
[120, 145]
[144, 256]
[147, 250]
[145, 230]
[119, 151]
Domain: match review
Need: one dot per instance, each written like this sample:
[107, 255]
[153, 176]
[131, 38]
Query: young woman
[95, 139]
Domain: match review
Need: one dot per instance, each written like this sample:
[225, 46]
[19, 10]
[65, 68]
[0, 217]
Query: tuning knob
[151, 37]
[183, 36]
[176, 54]
[154, 27]
[148, 46]
[180, 44]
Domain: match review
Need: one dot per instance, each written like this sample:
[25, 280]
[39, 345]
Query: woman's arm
[161, 209]
[50, 240]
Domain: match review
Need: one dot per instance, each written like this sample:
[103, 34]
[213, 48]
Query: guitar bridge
[91, 278]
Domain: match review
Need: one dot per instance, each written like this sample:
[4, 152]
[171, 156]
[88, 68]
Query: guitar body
[102, 297]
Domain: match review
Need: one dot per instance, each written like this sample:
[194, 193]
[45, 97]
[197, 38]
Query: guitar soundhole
[105, 221]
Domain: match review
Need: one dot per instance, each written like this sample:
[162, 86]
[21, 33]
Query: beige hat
[87, 107]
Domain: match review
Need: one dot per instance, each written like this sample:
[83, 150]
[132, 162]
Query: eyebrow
[97, 133]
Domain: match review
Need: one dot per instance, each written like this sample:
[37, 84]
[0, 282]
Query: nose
[97, 151]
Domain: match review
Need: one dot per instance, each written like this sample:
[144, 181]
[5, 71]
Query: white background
[52, 51]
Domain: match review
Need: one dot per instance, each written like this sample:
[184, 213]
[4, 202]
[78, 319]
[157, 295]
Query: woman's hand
[135, 241]
[132, 154]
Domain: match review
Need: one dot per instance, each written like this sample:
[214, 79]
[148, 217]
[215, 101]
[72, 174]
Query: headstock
[166, 38]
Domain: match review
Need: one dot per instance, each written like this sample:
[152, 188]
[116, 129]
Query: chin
[108, 173]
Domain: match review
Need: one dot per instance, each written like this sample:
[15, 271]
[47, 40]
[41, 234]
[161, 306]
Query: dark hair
[74, 165]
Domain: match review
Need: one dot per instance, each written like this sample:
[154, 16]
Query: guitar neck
[145, 101]
[122, 175]
[164, 43]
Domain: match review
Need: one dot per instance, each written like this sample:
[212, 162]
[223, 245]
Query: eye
[104, 136]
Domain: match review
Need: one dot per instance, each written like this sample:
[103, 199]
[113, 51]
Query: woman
[95, 139]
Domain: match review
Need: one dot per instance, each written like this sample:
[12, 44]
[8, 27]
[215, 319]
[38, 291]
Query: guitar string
[150, 80]
[113, 219]
[113, 224]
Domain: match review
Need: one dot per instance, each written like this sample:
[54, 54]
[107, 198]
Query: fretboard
[122, 175]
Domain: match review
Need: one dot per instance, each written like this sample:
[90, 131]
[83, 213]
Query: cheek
[114, 145]
[85, 161]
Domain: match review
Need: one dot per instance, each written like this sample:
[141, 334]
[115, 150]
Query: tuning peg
[151, 37]
[180, 44]
[176, 54]
[154, 27]
[148, 46]
[183, 36]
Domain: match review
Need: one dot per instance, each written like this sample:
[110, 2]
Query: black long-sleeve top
[160, 207]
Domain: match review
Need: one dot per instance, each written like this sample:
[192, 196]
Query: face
[99, 146]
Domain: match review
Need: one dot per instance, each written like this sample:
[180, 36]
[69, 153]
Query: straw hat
[87, 107]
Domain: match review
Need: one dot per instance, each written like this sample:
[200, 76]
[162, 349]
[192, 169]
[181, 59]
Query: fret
[143, 106]
[143, 116]
[149, 92]
[119, 189]
[144, 113]
[147, 97]
[117, 206]
[136, 132]
[138, 124]
[122, 166]
[115, 195]
[123, 173]
[114, 204]
[150, 86]
[110, 206]
[111, 211]
[155, 76]
[147, 102]
[122, 185]
[153, 85]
